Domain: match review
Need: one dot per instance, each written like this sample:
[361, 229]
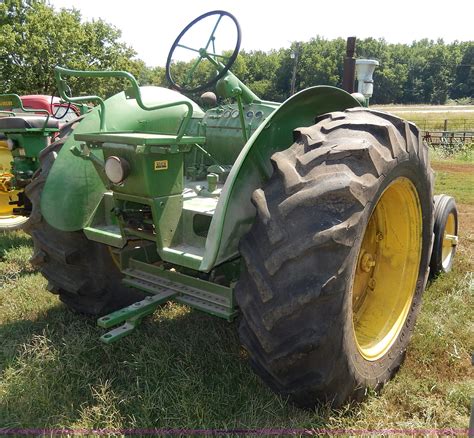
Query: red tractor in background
[54, 105]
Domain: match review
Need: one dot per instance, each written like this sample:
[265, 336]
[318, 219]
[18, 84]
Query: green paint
[134, 92]
[230, 86]
[234, 212]
[132, 315]
[188, 189]
[204, 295]
[104, 227]
[164, 285]
[149, 204]
[73, 189]
[27, 142]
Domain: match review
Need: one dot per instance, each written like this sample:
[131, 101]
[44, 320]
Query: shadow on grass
[13, 239]
[15, 252]
[181, 369]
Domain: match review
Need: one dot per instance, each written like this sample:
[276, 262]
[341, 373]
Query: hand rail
[16, 102]
[59, 72]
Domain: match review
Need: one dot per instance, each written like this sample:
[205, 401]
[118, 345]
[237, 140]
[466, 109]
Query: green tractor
[27, 125]
[311, 221]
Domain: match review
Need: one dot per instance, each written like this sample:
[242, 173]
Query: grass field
[185, 369]
[432, 118]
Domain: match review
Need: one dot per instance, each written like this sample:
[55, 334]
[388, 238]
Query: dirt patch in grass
[453, 167]
[466, 218]
[466, 233]
[455, 179]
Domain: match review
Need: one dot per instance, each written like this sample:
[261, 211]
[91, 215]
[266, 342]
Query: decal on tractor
[161, 165]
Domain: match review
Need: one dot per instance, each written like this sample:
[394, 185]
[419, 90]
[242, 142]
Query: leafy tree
[153, 76]
[319, 63]
[34, 38]
[260, 72]
[463, 85]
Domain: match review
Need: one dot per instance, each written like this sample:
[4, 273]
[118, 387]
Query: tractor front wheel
[337, 259]
[445, 234]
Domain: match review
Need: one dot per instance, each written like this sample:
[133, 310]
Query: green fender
[235, 213]
[73, 188]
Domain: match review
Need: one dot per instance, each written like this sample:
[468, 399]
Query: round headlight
[116, 169]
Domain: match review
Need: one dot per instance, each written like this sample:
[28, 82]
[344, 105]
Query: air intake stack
[364, 72]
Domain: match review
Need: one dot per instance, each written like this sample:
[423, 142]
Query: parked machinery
[27, 125]
[312, 219]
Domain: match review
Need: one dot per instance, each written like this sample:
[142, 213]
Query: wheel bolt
[454, 239]
[367, 262]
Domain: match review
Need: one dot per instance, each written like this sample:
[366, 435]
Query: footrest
[200, 294]
[165, 285]
[206, 306]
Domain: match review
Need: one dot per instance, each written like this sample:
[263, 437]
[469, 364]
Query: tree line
[34, 38]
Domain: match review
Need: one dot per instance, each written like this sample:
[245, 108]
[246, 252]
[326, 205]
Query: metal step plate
[203, 295]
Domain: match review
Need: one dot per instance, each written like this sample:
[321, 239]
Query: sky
[151, 26]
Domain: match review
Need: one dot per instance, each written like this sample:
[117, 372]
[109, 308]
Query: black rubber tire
[295, 292]
[80, 271]
[444, 205]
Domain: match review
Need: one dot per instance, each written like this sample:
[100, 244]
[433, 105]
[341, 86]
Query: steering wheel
[60, 106]
[221, 62]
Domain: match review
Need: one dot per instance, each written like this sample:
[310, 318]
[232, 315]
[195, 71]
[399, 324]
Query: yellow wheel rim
[6, 195]
[6, 210]
[8, 220]
[449, 241]
[387, 269]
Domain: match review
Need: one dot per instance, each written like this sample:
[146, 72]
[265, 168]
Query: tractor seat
[28, 122]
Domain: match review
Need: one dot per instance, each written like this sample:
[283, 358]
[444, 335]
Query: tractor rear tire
[80, 271]
[337, 259]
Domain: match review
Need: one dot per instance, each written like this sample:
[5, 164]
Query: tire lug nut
[367, 262]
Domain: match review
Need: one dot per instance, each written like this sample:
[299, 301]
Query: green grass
[463, 154]
[459, 183]
[185, 369]
[433, 120]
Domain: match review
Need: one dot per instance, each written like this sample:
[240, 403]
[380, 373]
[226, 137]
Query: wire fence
[451, 124]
